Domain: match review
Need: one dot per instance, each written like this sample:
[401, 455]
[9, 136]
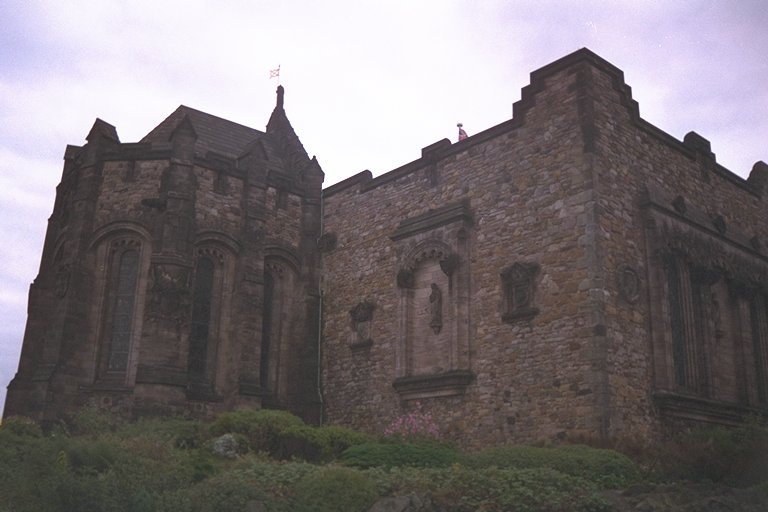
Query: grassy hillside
[270, 460]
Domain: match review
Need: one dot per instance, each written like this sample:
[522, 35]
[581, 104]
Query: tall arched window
[201, 320]
[121, 328]
[266, 331]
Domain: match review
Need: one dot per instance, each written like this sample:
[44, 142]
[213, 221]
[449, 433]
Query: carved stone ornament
[405, 278]
[327, 242]
[518, 289]
[449, 264]
[707, 252]
[628, 283]
[679, 205]
[361, 315]
[719, 222]
[362, 312]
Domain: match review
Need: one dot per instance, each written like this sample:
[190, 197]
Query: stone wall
[528, 199]
[560, 202]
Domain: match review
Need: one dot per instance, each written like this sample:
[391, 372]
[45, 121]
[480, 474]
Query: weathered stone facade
[559, 228]
[179, 274]
[572, 273]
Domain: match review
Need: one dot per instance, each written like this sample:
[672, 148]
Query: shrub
[21, 426]
[341, 438]
[463, 489]
[227, 492]
[304, 442]
[320, 444]
[389, 455]
[607, 468]
[93, 421]
[172, 432]
[91, 456]
[261, 427]
[733, 456]
[334, 489]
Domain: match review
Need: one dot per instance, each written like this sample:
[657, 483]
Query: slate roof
[213, 133]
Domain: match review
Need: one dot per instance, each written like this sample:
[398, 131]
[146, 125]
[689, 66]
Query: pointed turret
[102, 132]
[183, 138]
[279, 128]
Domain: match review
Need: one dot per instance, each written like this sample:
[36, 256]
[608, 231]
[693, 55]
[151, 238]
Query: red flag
[462, 134]
[274, 73]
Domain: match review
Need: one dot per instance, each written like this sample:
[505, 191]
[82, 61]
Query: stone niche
[432, 353]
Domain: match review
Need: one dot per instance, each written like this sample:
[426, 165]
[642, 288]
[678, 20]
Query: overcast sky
[368, 84]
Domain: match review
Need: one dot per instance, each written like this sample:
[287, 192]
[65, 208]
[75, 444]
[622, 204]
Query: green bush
[389, 455]
[607, 468]
[21, 426]
[261, 427]
[732, 456]
[341, 438]
[317, 444]
[335, 489]
[172, 432]
[461, 489]
[93, 421]
[90, 456]
[306, 443]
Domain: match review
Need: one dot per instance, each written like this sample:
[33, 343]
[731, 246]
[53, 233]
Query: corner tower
[179, 274]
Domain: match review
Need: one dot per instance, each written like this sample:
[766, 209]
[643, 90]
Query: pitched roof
[213, 133]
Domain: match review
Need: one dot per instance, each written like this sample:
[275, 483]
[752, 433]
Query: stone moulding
[416, 387]
[433, 219]
[163, 376]
[686, 407]
[361, 345]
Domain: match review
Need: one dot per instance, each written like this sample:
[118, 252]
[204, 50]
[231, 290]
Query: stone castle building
[571, 273]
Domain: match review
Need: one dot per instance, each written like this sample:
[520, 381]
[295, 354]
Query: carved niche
[628, 282]
[518, 283]
[432, 353]
[361, 318]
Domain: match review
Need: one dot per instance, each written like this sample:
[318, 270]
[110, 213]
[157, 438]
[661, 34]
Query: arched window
[266, 331]
[280, 321]
[121, 328]
[201, 319]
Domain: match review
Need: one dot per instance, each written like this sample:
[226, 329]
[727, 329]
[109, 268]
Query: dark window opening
[266, 330]
[122, 314]
[201, 319]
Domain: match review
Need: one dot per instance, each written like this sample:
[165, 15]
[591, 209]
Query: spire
[280, 96]
[288, 144]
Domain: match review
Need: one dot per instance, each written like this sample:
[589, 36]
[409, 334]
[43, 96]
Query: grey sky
[368, 84]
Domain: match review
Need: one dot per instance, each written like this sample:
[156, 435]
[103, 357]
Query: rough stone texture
[197, 191]
[570, 184]
[573, 273]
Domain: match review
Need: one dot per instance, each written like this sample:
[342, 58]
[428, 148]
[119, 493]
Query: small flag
[275, 73]
[462, 134]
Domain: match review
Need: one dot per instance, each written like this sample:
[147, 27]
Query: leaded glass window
[122, 315]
